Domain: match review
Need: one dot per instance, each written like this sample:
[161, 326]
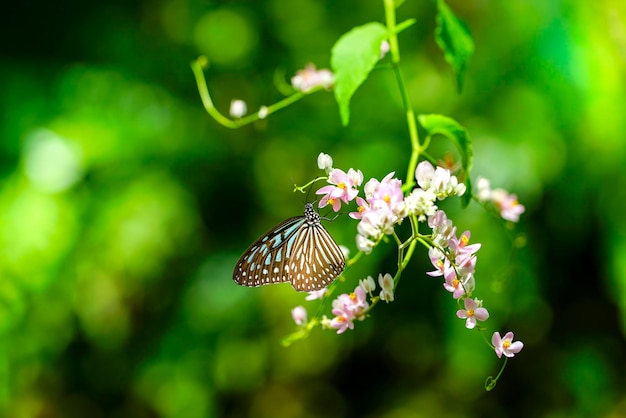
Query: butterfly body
[299, 250]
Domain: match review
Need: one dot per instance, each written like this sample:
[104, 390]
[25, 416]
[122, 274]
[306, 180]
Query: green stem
[198, 66]
[390, 19]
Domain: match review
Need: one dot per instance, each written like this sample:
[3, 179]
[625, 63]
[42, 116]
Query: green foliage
[454, 39]
[353, 57]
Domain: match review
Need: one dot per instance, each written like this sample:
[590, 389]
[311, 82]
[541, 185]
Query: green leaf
[443, 125]
[454, 39]
[353, 57]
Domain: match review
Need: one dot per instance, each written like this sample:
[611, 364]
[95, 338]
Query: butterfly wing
[316, 261]
[267, 259]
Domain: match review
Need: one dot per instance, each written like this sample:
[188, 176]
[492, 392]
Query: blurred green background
[124, 207]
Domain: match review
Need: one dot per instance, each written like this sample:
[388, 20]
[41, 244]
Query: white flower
[386, 283]
[263, 112]
[423, 174]
[238, 108]
[316, 294]
[439, 180]
[368, 284]
[325, 162]
[483, 189]
[421, 203]
[364, 244]
[309, 78]
[384, 48]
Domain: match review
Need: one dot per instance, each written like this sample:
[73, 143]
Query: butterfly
[299, 250]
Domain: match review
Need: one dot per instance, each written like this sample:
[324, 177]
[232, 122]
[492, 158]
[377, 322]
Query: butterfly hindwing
[318, 260]
[298, 250]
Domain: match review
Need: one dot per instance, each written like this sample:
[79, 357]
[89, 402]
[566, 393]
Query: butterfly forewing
[298, 250]
[266, 259]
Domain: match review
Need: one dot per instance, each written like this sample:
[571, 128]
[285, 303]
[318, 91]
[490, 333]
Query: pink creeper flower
[508, 205]
[347, 308]
[307, 79]
[458, 286]
[460, 246]
[510, 208]
[506, 345]
[343, 188]
[299, 315]
[383, 208]
[440, 262]
[443, 229]
[473, 311]
[362, 206]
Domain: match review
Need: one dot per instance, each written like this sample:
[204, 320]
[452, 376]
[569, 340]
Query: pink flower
[460, 245]
[473, 311]
[386, 194]
[309, 78]
[362, 207]
[341, 323]
[439, 261]
[465, 264]
[348, 307]
[506, 345]
[299, 315]
[457, 286]
[510, 208]
[443, 229]
[343, 188]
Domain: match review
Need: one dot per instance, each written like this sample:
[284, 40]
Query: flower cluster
[453, 258]
[343, 188]
[506, 203]
[350, 307]
[385, 204]
[382, 206]
[307, 79]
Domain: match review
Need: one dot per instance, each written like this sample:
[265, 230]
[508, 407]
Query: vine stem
[198, 65]
[392, 35]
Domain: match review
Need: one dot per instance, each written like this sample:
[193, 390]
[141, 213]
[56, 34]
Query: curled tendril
[202, 63]
[491, 382]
